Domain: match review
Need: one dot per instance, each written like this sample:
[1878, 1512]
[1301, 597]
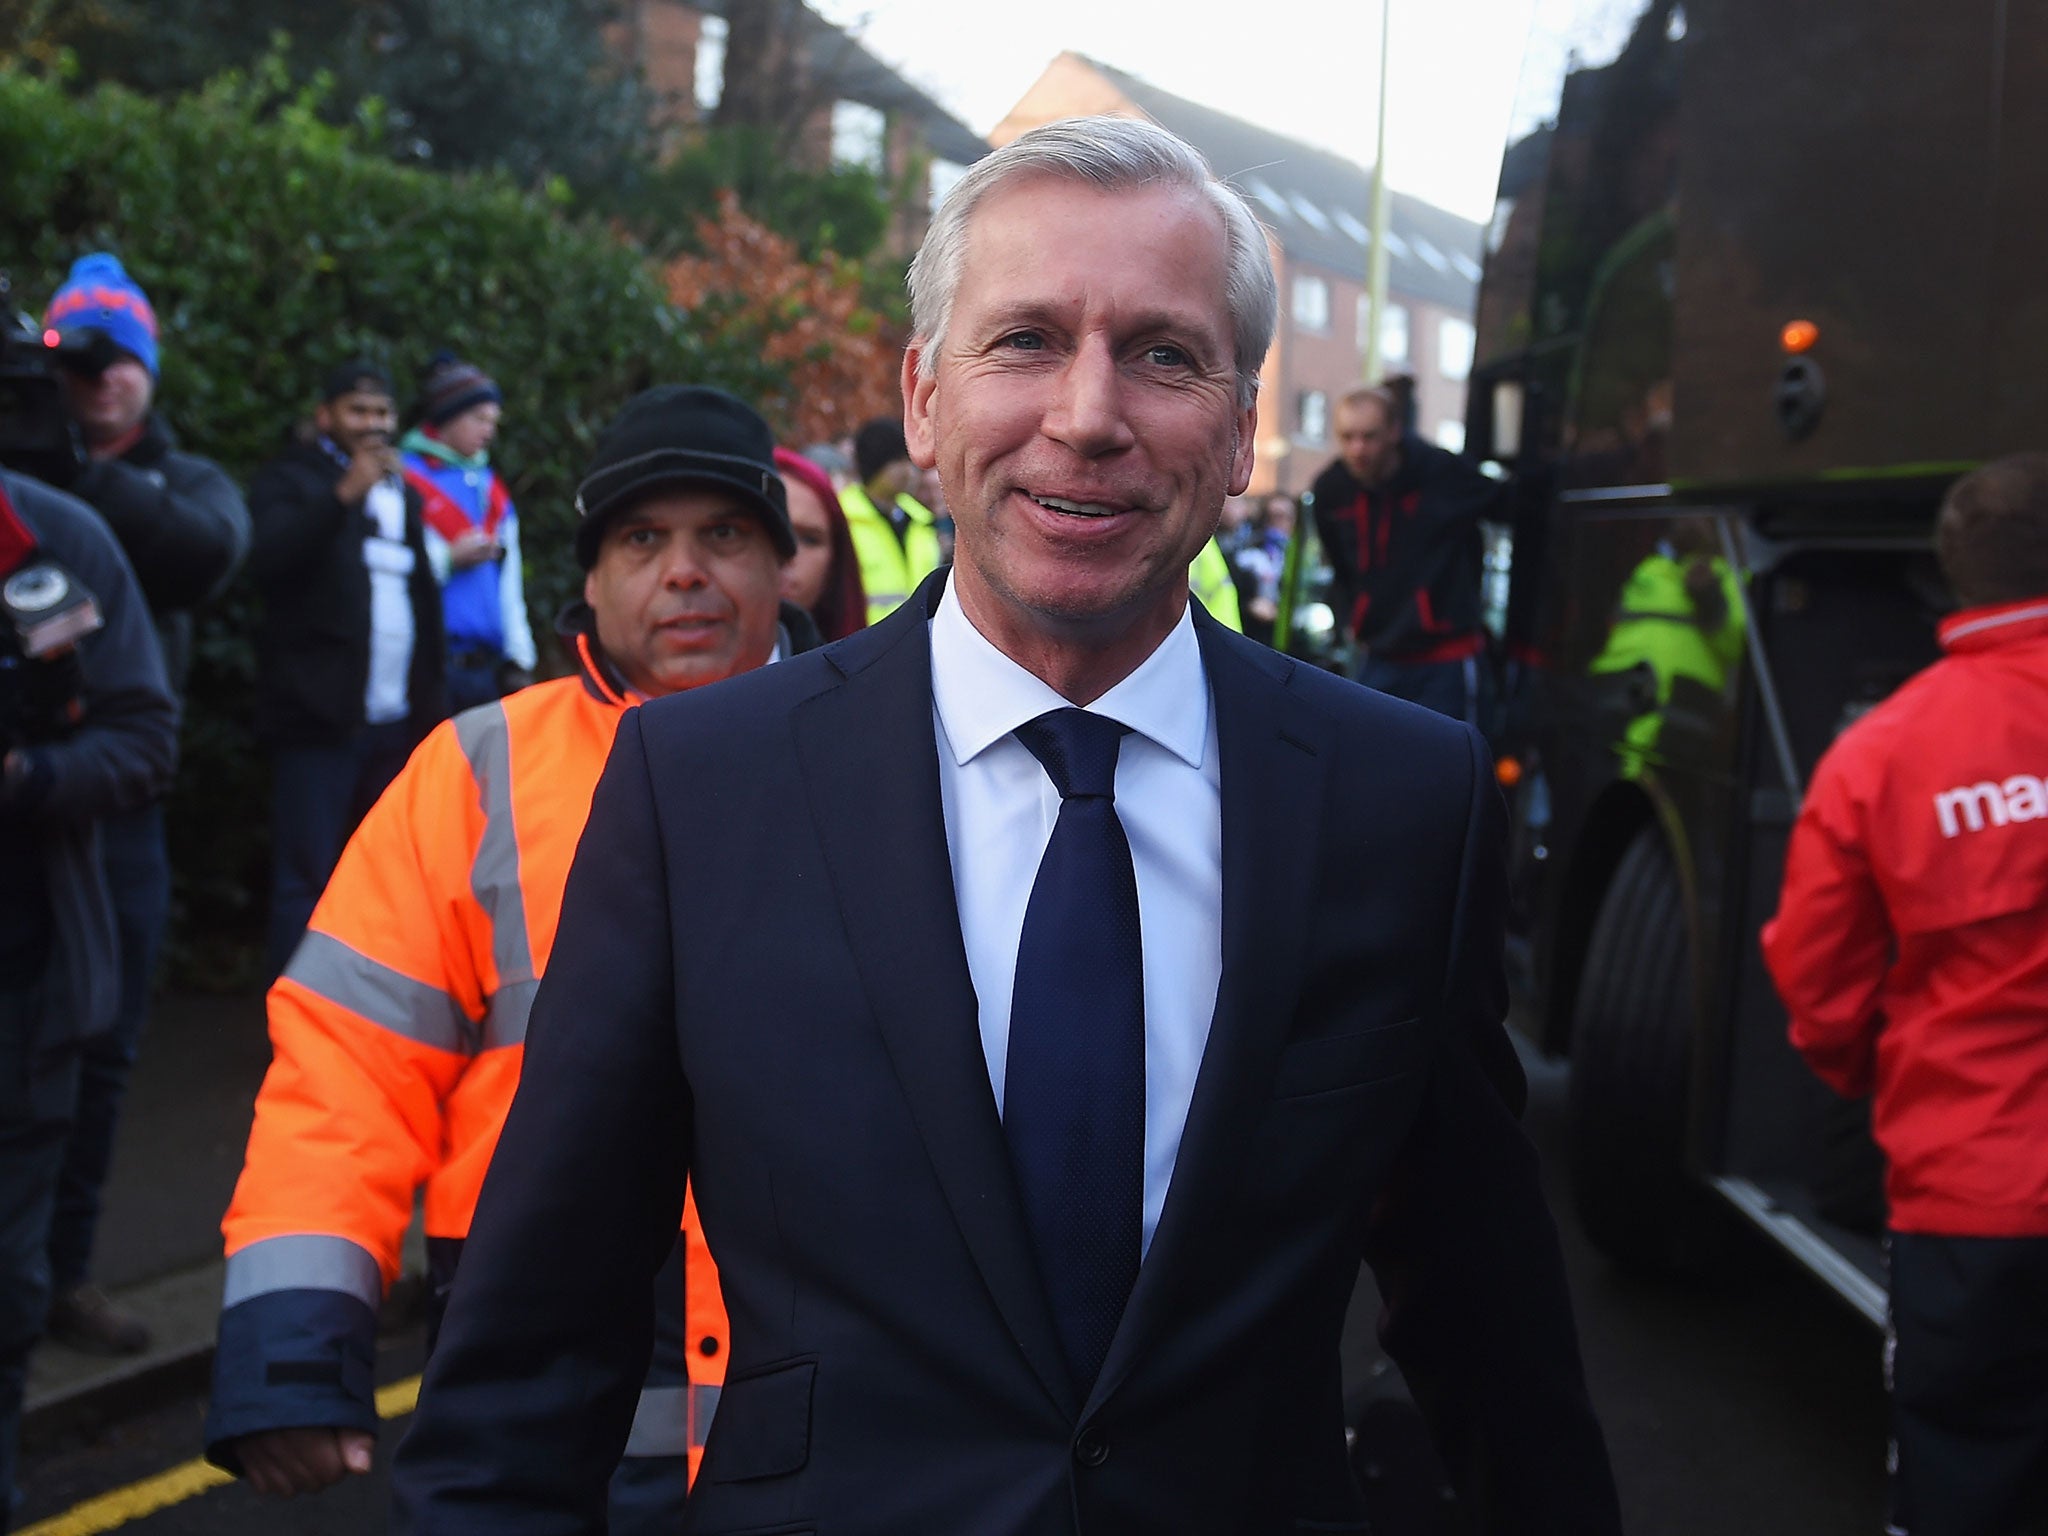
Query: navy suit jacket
[759, 981]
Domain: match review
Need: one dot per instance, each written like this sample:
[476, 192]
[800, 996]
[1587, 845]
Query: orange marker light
[1509, 771]
[1798, 336]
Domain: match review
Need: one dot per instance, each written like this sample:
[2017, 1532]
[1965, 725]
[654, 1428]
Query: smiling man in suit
[1052, 995]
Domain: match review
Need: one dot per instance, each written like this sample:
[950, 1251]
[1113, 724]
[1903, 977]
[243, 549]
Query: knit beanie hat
[99, 295]
[682, 434]
[451, 386]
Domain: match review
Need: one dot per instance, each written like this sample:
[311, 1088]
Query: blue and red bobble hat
[451, 386]
[99, 295]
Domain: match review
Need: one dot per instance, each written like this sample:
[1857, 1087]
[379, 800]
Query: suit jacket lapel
[1272, 773]
[870, 762]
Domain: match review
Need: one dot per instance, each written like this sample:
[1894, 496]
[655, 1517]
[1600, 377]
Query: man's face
[357, 420]
[108, 406]
[893, 480]
[1082, 411]
[685, 590]
[1367, 441]
[473, 431]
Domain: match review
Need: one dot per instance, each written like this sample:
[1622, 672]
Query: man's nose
[682, 565]
[1086, 412]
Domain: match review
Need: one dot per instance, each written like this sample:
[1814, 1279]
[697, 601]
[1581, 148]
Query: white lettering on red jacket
[1972, 807]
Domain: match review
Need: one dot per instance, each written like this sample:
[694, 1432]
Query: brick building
[853, 108]
[1316, 206]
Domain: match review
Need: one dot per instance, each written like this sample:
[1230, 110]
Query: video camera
[36, 432]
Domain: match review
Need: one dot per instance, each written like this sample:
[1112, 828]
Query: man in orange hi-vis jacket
[398, 1027]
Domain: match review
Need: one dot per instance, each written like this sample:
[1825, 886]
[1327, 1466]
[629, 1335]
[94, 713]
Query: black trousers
[1967, 1364]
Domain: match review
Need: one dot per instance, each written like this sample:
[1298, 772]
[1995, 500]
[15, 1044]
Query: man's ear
[590, 587]
[1241, 459]
[917, 407]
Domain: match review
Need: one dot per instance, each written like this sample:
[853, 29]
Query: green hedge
[273, 244]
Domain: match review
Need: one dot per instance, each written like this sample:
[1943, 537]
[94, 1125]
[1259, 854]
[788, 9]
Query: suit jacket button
[1090, 1449]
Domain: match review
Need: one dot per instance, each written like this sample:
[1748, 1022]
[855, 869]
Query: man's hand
[288, 1461]
[373, 462]
[472, 547]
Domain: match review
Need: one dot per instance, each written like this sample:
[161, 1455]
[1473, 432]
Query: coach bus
[1764, 276]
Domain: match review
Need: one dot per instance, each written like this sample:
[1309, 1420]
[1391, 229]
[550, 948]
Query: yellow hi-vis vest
[890, 569]
[1209, 579]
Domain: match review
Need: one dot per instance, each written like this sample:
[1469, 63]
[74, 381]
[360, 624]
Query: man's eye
[1165, 355]
[1023, 341]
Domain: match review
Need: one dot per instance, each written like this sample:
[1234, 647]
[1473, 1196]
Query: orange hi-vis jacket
[398, 1032]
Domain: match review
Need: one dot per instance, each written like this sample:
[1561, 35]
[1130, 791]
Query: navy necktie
[1074, 1082]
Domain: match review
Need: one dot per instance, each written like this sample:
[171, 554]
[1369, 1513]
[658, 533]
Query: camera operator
[181, 522]
[88, 731]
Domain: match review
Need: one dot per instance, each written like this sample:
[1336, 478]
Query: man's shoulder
[1359, 718]
[65, 526]
[298, 464]
[752, 710]
[737, 709]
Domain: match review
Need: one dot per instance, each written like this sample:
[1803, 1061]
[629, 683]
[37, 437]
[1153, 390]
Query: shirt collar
[1977, 629]
[982, 695]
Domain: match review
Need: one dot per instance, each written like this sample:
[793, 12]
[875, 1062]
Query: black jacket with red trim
[1406, 555]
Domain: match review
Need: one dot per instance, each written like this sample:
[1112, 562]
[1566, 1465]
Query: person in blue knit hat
[472, 532]
[184, 528]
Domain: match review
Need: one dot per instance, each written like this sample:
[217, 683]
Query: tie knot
[1077, 749]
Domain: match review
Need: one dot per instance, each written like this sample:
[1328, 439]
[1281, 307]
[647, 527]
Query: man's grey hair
[1114, 154]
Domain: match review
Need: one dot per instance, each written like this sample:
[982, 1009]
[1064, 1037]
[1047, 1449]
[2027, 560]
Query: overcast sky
[1308, 68]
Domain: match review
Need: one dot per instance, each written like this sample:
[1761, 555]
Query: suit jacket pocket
[1331, 1062]
[763, 1425]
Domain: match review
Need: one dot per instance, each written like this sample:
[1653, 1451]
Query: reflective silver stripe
[494, 877]
[303, 1262]
[703, 1405]
[324, 965]
[505, 1019]
[671, 1421]
[2017, 616]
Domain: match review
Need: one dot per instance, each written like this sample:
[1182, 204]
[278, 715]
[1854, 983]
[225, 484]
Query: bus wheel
[1630, 1061]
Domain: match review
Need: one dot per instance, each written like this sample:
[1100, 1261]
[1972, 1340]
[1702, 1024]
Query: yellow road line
[109, 1511]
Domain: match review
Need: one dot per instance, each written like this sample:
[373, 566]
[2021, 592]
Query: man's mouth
[1077, 508]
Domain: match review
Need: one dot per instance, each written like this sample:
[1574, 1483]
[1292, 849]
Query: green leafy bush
[272, 244]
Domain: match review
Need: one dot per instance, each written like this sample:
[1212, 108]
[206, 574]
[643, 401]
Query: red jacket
[1911, 941]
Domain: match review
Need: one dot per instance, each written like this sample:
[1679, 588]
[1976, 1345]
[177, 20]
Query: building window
[1454, 339]
[1451, 434]
[858, 133]
[1394, 335]
[1313, 413]
[1311, 304]
[710, 83]
[1393, 330]
[945, 176]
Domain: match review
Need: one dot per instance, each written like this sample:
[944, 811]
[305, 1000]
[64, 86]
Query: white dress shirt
[1000, 807]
